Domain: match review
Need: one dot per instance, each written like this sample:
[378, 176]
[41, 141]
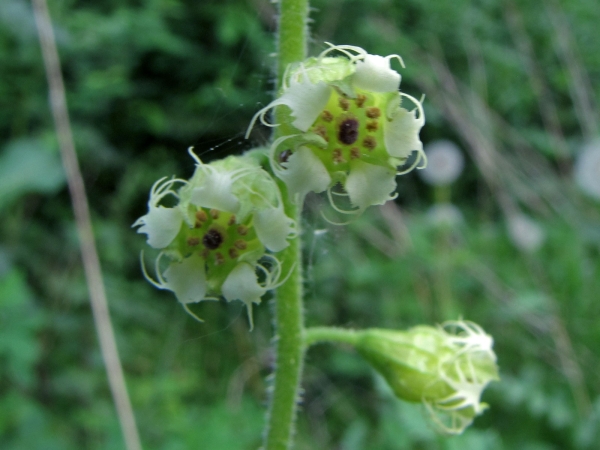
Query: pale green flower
[348, 127]
[215, 240]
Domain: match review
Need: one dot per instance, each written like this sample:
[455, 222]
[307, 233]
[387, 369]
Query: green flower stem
[291, 38]
[316, 335]
[289, 324]
[289, 319]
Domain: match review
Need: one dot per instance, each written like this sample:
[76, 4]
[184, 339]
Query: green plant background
[512, 81]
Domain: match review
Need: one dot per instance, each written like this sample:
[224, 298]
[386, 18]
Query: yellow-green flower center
[353, 129]
[219, 239]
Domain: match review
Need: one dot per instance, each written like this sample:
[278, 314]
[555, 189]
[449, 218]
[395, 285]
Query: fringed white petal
[402, 134]
[273, 228]
[368, 184]
[242, 284]
[161, 225]
[187, 279]
[215, 192]
[374, 74]
[306, 100]
[304, 173]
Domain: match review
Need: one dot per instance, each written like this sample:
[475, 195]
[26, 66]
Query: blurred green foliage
[515, 82]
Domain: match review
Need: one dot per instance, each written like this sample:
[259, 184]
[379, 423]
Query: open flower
[214, 241]
[347, 126]
[446, 368]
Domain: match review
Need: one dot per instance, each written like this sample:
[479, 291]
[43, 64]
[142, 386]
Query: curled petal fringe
[261, 115]
[275, 166]
[330, 195]
[161, 282]
[398, 57]
[419, 163]
[161, 188]
[345, 49]
[191, 313]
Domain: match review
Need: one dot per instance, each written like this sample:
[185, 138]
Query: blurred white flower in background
[587, 169]
[445, 162]
[525, 234]
[445, 215]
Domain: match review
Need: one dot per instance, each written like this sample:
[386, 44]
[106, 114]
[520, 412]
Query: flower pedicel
[346, 125]
[227, 216]
[446, 368]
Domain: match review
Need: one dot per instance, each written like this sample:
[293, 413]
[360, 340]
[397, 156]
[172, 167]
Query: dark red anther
[348, 132]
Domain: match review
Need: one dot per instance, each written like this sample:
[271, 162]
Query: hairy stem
[291, 35]
[289, 324]
[289, 320]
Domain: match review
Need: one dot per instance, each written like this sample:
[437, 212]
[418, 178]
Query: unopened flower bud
[446, 368]
[347, 126]
[227, 217]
